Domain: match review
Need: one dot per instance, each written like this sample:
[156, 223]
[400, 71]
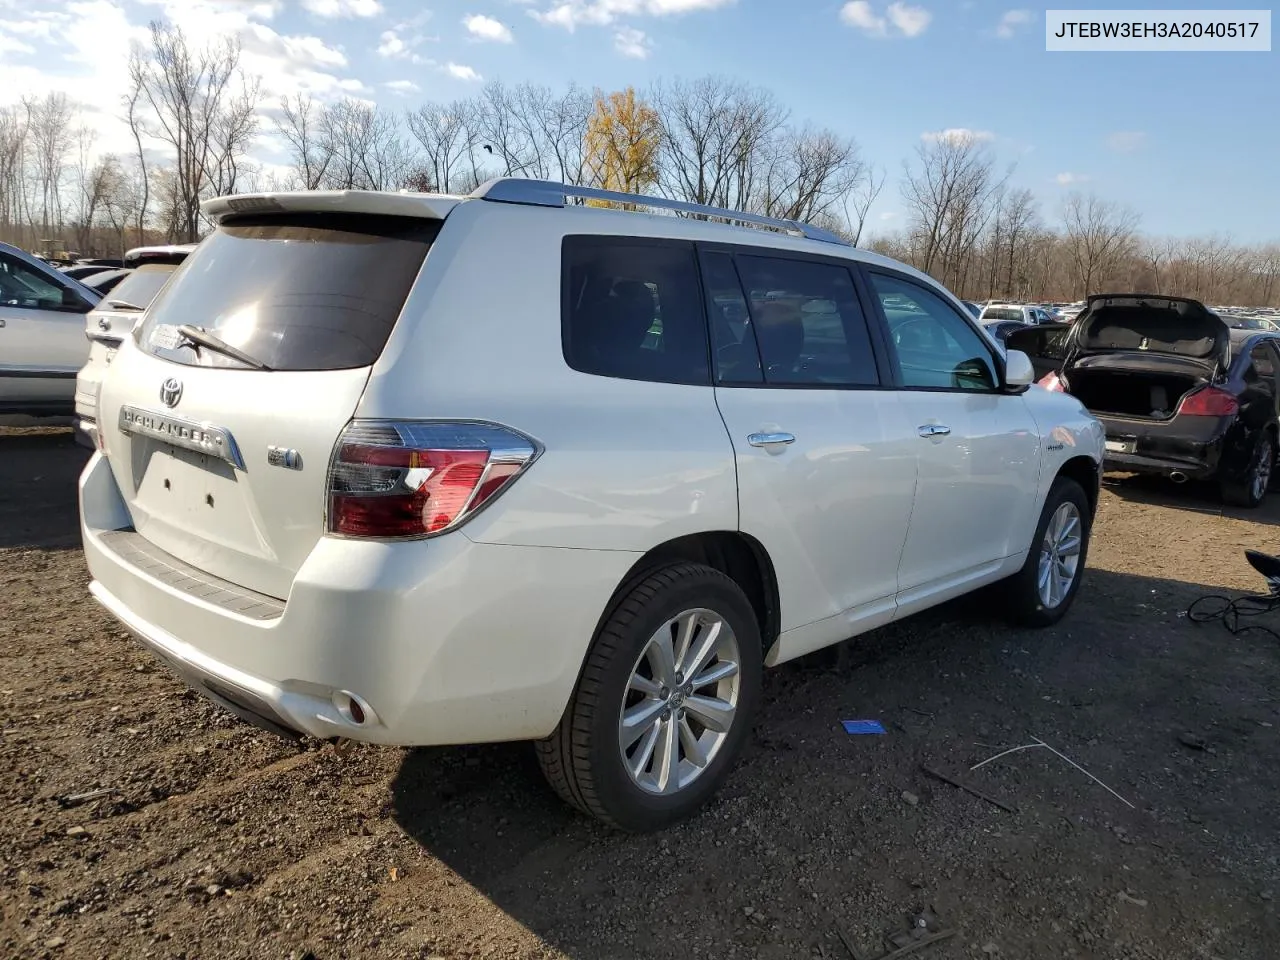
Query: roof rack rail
[549, 193]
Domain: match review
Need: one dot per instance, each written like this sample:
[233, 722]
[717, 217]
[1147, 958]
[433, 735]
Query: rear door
[42, 342]
[223, 465]
[826, 465]
[977, 448]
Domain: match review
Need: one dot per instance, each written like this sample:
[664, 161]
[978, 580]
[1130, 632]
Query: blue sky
[1187, 139]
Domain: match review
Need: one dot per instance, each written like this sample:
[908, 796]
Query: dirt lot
[218, 841]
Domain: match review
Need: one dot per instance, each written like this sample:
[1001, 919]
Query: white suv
[414, 469]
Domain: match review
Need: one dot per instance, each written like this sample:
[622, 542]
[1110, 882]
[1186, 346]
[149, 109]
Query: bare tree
[13, 154]
[203, 107]
[863, 198]
[369, 151]
[133, 104]
[49, 140]
[300, 123]
[1099, 236]
[950, 198]
[445, 133]
[718, 137]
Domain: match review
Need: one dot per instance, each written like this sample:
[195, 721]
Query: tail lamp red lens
[1209, 402]
[1052, 382]
[420, 478]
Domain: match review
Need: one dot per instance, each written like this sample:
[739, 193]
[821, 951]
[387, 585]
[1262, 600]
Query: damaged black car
[1180, 393]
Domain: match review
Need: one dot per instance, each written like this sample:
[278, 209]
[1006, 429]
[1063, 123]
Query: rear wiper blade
[124, 305]
[203, 338]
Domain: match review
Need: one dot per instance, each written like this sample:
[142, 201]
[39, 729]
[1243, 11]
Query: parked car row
[50, 320]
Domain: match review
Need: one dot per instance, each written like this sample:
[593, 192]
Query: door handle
[770, 439]
[931, 430]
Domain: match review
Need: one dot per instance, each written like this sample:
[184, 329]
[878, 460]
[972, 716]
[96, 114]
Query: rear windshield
[1002, 313]
[1179, 327]
[141, 286]
[296, 292]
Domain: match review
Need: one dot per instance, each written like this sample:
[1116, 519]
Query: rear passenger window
[807, 322]
[633, 310]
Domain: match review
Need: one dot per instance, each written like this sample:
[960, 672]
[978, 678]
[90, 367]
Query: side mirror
[1018, 371]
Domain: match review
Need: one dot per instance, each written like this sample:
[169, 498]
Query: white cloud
[402, 87]
[1127, 141]
[487, 28]
[899, 19]
[1070, 179]
[304, 51]
[570, 14]
[1011, 22]
[958, 136]
[391, 45]
[10, 44]
[461, 71]
[910, 21]
[632, 43]
[330, 9]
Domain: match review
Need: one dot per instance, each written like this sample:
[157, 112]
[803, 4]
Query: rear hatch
[222, 463]
[114, 316]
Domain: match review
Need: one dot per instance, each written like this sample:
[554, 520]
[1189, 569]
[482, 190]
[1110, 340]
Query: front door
[826, 462]
[977, 448]
[42, 341]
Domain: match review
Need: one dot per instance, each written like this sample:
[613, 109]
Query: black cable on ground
[1230, 611]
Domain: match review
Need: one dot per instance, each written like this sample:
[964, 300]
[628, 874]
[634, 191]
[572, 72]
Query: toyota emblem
[171, 392]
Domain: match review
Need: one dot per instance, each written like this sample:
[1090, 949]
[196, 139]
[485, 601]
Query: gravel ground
[217, 841]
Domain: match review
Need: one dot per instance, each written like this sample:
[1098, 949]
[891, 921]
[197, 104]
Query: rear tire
[627, 749]
[1041, 593]
[1251, 489]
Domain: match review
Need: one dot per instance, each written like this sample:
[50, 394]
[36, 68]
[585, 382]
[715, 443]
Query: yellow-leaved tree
[623, 138]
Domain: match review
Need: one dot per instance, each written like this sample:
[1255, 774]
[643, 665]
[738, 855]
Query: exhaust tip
[353, 708]
[1178, 476]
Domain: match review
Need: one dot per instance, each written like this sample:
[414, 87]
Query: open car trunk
[1135, 386]
[1132, 355]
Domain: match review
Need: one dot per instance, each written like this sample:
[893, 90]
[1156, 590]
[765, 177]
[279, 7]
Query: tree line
[194, 116]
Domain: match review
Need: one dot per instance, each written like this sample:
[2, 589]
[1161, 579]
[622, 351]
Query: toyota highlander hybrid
[414, 469]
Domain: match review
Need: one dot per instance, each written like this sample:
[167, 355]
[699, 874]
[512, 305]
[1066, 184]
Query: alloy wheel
[681, 700]
[1060, 555]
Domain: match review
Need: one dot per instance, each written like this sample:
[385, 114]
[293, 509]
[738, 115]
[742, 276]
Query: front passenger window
[20, 286]
[936, 347]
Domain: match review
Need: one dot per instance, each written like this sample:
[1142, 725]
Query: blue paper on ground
[860, 727]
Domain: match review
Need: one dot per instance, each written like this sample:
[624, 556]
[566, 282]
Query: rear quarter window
[297, 292]
[632, 310]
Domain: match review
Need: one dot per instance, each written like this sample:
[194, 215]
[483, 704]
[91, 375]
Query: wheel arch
[740, 557]
[1085, 471]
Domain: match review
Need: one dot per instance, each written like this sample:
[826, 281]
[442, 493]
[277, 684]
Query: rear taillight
[395, 480]
[1209, 402]
[1052, 382]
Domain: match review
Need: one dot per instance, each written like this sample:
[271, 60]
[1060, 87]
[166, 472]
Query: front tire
[1251, 489]
[1043, 590]
[665, 701]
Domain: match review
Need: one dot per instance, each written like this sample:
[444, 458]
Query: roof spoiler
[432, 206]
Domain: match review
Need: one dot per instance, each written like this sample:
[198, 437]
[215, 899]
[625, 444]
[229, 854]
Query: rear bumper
[443, 641]
[1191, 446]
